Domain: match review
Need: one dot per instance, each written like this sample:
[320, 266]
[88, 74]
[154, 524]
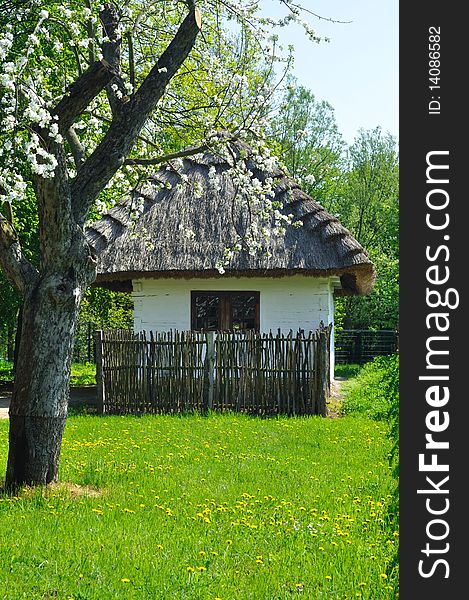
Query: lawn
[81, 373]
[225, 506]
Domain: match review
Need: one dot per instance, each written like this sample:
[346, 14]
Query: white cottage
[165, 244]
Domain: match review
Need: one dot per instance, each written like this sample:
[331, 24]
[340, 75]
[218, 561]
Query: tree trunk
[16, 345]
[38, 410]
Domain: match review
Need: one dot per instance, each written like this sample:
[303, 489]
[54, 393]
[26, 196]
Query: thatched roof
[185, 224]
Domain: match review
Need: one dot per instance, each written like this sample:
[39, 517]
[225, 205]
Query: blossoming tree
[87, 94]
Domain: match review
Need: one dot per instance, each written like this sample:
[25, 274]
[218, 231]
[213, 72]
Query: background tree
[309, 142]
[88, 92]
[359, 184]
[368, 204]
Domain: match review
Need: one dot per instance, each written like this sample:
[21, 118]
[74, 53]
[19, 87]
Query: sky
[357, 71]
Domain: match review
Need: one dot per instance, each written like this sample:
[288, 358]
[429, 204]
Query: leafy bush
[6, 374]
[374, 392]
[82, 374]
[347, 370]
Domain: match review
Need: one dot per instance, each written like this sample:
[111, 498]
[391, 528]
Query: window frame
[226, 311]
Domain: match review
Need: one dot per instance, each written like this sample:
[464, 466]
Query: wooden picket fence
[178, 372]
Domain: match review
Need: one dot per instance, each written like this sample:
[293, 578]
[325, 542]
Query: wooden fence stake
[99, 372]
[209, 371]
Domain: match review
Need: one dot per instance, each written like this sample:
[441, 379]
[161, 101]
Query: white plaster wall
[290, 302]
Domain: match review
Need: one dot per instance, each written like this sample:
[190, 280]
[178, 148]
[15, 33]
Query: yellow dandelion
[159, 546]
[383, 576]
[125, 580]
[229, 542]
[329, 577]
[202, 553]
[201, 568]
[299, 587]
[190, 569]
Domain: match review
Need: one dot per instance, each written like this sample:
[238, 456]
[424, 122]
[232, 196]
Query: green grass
[347, 370]
[82, 374]
[375, 390]
[190, 507]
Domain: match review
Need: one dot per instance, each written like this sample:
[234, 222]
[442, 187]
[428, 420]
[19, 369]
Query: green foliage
[107, 309]
[82, 374]
[6, 372]
[374, 392]
[358, 184]
[380, 308]
[309, 142]
[368, 206]
[26, 224]
[347, 370]
[340, 313]
[369, 200]
[226, 506]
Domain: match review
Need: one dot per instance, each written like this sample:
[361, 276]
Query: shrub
[6, 372]
[374, 392]
[82, 374]
[347, 370]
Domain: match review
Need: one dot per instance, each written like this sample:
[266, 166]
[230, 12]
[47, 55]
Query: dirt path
[4, 404]
[85, 395]
[334, 401]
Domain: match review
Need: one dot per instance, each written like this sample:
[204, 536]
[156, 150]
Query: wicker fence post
[99, 372]
[209, 372]
[322, 372]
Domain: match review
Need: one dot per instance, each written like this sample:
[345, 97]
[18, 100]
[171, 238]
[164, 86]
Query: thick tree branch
[112, 54]
[82, 92]
[91, 34]
[76, 147]
[15, 266]
[125, 128]
[130, 44]
[56, 222]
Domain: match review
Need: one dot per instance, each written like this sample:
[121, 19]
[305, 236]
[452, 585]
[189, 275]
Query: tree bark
[40, 395]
